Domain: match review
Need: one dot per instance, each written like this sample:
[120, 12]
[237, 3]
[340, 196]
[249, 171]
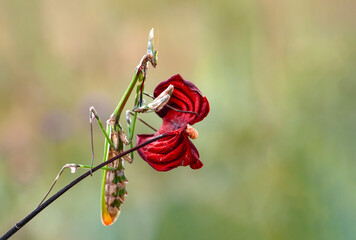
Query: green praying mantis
[113, 188]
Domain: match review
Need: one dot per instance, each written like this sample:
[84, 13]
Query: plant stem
[30, 216]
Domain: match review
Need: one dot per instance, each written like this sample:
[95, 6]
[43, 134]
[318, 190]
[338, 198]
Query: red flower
[176, 149]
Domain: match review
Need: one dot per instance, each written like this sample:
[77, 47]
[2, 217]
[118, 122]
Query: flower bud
[192, 133]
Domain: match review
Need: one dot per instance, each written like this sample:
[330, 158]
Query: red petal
[170, 152]
[187, 97]
[176, 149]
[195, 154]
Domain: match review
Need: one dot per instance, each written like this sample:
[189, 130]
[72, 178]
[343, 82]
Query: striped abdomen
[115, 189]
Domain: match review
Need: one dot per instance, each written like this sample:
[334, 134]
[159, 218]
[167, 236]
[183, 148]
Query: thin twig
[29, 217]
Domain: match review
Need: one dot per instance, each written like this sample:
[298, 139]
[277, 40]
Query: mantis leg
[149, 95]
[73, 167]
[94, 115]
[128, 112]
[169, 106]
[131, 126]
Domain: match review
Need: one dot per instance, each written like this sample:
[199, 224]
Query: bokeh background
[278, 146]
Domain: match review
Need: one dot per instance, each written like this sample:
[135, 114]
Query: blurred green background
[278, 146]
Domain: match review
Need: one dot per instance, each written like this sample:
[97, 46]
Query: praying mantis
[113, 188]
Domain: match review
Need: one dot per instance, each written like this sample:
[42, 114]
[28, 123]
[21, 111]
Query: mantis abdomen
[115, 186]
